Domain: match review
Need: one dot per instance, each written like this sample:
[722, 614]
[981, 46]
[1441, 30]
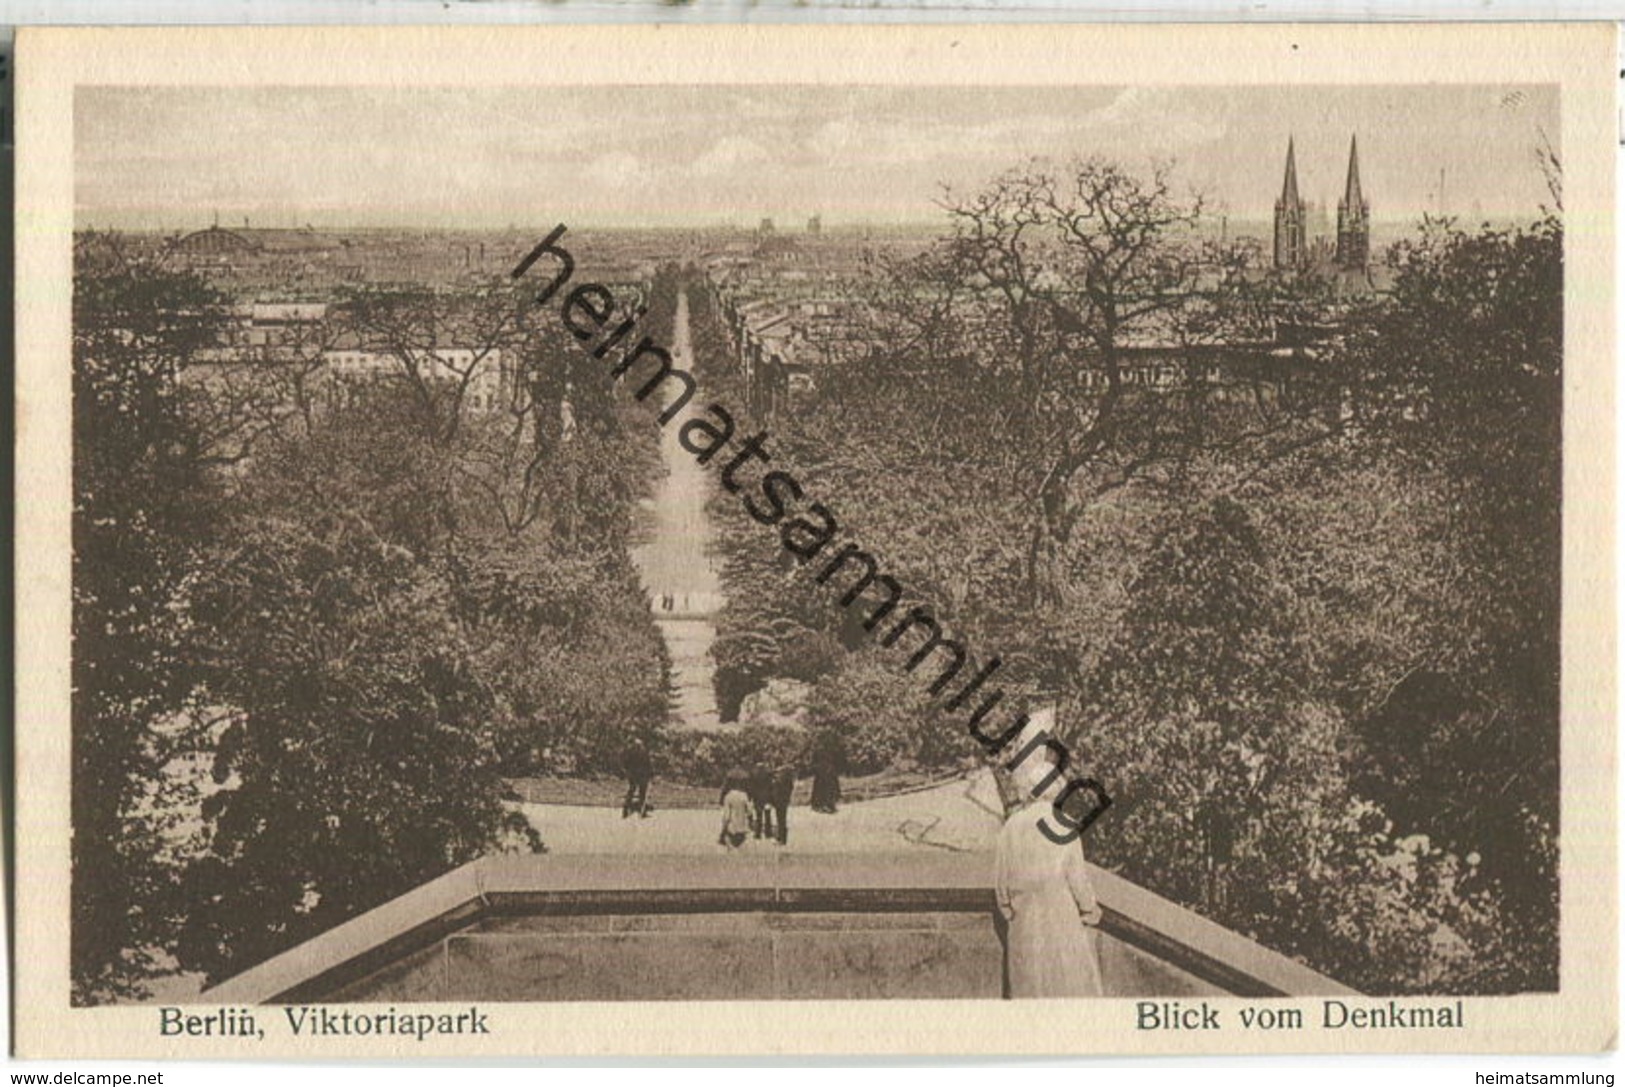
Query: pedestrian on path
[828, 762]
[638, 770]
[781, 789]
[736, 810]
[759, 787]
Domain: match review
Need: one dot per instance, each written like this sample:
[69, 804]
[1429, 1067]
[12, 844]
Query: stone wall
[733, 956]
[773, 926]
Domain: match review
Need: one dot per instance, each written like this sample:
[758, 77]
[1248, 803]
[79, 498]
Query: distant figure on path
[735, 779]
[770, 791]
[1043, 891]
[759, 787]
[637, 768]
[783, 787]
[736, 813]
[828, 762]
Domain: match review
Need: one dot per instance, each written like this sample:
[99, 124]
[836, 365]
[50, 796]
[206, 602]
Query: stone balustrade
[772, 926]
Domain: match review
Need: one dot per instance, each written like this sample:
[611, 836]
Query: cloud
[727, 155]
[672, 152]
[618, 170]
[1157, 119]
[833, 138]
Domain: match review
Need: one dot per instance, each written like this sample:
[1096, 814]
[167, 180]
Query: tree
[387, 650]
[1211, 715]
[360, 603]
[362, 754]
[1125, 338]
[416, 327]
[1465, 380]
[142, 509]
[1065, 265]
[884, 717]
[1287, 559]
[1203, 709]
[771, 624]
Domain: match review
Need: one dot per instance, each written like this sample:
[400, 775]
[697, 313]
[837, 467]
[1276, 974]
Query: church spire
[1291, 242]
[1351, 192]
[1353, 218]
[1289, 188]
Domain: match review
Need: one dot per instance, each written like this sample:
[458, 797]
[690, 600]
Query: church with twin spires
[1296, 251]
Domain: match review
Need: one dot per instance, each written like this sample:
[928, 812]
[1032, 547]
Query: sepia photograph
[1016, 532]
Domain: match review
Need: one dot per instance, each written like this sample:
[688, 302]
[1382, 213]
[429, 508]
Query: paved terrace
[961, 815]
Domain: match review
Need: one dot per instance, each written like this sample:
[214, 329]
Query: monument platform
[767, 925]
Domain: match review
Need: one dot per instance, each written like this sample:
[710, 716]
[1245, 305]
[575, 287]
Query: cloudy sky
[173, 158]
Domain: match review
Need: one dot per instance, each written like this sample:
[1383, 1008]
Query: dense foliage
[316, 624]
[1299, 613]
[142, 515]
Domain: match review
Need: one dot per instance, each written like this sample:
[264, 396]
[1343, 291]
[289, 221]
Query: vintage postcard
[1016, 540]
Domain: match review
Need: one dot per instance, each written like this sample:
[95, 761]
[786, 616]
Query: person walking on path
[759, 787]
[781, 789]
[1049, 907]
[638, 769]
[828, 761]
[736, 811]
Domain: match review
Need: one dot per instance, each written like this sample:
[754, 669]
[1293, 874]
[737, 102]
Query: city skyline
[487, 158]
